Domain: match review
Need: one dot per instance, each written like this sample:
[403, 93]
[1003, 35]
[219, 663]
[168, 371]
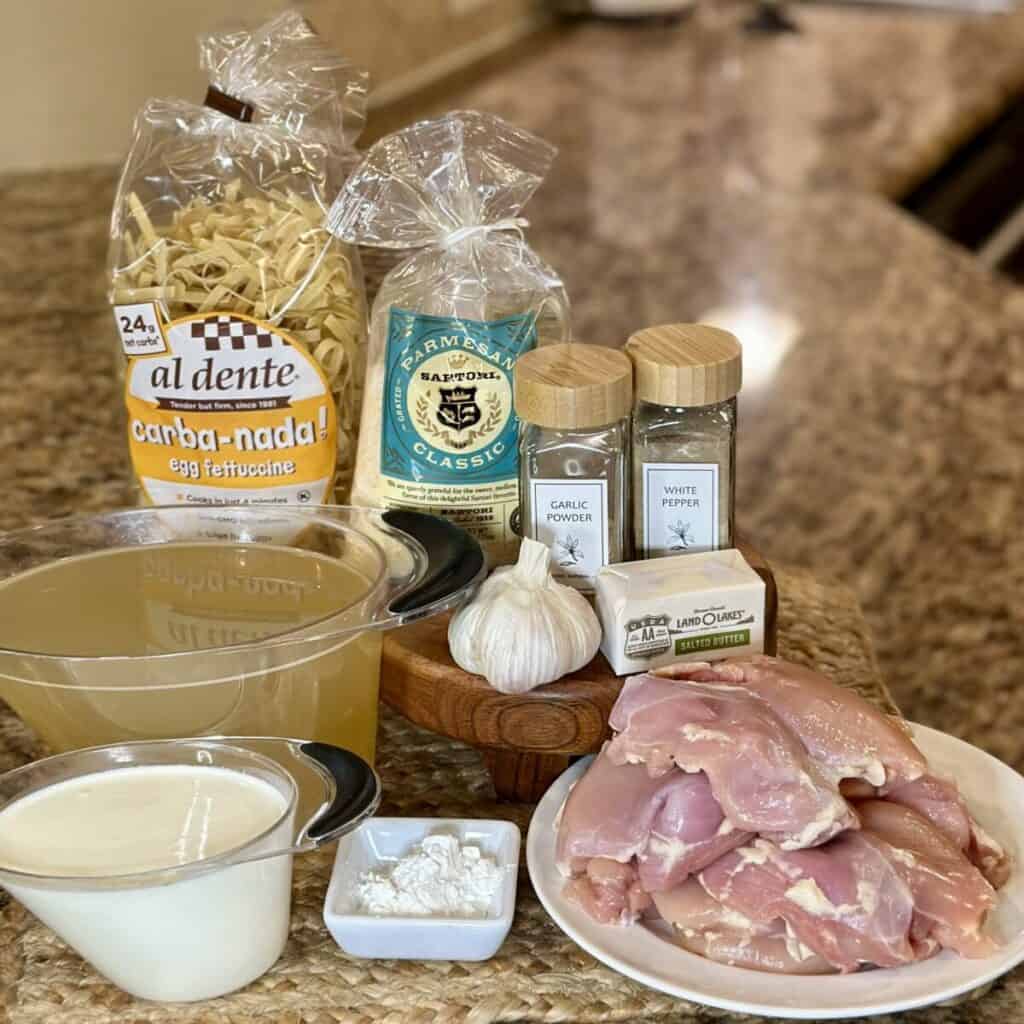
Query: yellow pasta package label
[230, 410]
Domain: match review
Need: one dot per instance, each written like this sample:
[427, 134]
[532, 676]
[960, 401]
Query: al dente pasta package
[242, 319]
[438, 429]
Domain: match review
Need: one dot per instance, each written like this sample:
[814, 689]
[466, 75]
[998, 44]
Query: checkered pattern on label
[223, 331]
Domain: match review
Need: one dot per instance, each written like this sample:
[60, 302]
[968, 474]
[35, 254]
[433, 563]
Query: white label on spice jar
[680, 508]
[571, 517]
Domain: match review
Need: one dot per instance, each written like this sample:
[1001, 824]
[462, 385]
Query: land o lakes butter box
[682, 608]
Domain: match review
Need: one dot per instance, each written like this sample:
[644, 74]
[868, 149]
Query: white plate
[995, 794]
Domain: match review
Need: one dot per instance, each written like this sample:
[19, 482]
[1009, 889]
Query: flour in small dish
[438, 878]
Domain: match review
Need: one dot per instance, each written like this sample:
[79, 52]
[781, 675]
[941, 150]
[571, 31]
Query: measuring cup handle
[357, 790]
[455, 560]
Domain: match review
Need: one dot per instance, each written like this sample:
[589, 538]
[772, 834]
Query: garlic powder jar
[573, 402]
[687, 377]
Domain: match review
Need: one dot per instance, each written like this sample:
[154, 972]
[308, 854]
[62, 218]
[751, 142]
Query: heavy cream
[199, 932]
[694, 607]
[135, 819]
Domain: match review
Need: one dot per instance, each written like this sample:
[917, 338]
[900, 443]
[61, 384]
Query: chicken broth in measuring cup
[100, 628]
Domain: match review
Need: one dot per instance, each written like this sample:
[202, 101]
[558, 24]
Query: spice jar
[574, 402]
[687, 377]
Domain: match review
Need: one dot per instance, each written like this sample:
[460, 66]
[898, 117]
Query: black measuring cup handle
[454, 560]
[357, 790]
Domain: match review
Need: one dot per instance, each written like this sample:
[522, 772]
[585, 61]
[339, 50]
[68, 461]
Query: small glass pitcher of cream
[167, 864]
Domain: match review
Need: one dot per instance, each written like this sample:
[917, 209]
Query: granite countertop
[868, 97]
[704, 169]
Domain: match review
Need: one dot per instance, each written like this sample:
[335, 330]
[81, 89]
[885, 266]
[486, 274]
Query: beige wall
[74, 72]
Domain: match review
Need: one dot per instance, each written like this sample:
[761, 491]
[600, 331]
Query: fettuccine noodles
[268, 257]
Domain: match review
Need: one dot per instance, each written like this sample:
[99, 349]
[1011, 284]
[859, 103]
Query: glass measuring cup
[229, 620]
[201, 928]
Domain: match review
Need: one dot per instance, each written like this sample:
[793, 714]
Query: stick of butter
[682, 608]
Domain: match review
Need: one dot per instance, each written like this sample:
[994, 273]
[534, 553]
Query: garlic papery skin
[524, 629]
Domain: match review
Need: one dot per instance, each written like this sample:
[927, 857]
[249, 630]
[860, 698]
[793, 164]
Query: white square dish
[378, 844]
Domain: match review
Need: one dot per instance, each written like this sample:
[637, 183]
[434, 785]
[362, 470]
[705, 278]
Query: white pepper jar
[574, 403]
[687, 377]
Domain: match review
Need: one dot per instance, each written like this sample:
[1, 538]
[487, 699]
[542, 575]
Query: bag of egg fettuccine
[438, 431]
[240, 317]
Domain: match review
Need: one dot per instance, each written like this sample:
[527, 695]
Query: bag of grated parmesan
[438, 432]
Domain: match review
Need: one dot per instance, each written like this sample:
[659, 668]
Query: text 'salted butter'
[698, 607]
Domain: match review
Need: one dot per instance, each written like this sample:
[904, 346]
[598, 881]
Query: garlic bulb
[522, 629]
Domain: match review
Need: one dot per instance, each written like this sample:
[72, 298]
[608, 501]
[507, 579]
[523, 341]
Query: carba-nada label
[232, 410]
[448, 439]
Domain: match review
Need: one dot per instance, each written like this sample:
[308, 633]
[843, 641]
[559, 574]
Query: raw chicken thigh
[847, 737]
[670, 826]
[760, 773]
[939, 801]
[951, 898]
[724, 798]
[688, 833]
[705, 926]
[609, 891]
[845, 901]
[620, 812]
[895, 892]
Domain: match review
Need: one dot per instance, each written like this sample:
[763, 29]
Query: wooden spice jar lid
[573, 385]
[685, 364]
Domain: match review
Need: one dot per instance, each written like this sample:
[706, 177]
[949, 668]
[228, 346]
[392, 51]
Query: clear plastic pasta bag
[241, 318]
[439, 432]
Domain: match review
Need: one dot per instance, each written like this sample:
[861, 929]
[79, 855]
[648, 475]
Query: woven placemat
[538, 975]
